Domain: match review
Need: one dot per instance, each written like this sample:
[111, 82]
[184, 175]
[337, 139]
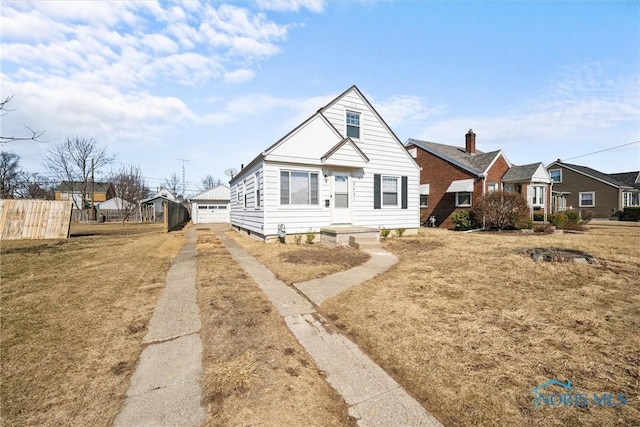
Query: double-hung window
[556, 175]
[390, 191]
[256, 189]
[463, 199]
[353, 124]
[492, 187]
[537, 195]
[587, 199]
[298, 188]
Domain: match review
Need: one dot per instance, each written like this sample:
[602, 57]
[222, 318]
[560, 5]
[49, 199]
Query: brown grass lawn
[255, 372]
[469, 324]
[74, 313]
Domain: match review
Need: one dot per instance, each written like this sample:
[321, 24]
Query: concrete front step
[365, 242]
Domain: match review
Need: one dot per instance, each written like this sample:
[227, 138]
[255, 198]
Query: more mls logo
[569, 397]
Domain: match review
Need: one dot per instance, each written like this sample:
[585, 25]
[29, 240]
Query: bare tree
[34, 186]
[130, 189]
[4, 139]
[173, 184]
[209, 182]
[10, 175]
[74, 163]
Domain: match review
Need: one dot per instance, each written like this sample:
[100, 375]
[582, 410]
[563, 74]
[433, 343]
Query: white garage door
[213, 213]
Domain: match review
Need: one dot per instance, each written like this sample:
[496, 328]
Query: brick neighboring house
[73, 190]
[583, 188]
[452, 178]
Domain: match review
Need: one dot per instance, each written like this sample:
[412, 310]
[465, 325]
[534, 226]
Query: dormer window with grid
[353, 124]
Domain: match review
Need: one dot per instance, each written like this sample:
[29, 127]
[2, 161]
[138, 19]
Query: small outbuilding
[211, 206]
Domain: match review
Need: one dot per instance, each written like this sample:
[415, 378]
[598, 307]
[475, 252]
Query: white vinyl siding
[302, 150]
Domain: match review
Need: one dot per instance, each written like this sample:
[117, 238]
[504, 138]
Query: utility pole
[183, 176]
[93, 190]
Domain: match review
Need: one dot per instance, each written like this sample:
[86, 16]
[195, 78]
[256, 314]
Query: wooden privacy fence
[34, 219]
[175, 215]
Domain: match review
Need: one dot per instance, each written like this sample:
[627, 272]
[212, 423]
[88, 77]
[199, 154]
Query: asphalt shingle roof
[520, 173]
[594, 173]
[627, 178]
[476, 163]
[100, 187]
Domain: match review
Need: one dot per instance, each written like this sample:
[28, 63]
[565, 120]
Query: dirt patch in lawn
[74, 313]
[254, 370]
[294, 263]
[472, 327]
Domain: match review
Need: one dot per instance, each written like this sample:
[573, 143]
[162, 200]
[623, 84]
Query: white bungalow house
[342, 167]
[211, 206]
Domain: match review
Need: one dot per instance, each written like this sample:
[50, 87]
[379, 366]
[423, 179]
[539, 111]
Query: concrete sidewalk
[165, 388]
[373, 397]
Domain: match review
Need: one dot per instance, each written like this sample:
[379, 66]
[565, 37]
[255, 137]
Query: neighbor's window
[556, 175]
[390, 191]
[537, 195]
[510, 188]
[256, 189]
[587, 199]
[492, 187]
[353, 124]
[244, 203]
[298, 188]
[463, 199]
[424, 200]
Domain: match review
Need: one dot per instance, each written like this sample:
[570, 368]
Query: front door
[341, 202]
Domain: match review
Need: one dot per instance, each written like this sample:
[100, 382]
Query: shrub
[310, 236]
[570, 220]
[401, 231]
[384, 233]
[297, 239]
[502, 210]
[543, 228]
[538, 217]
[525, 225]
[630, 213]
[557, 219]
[463, 219]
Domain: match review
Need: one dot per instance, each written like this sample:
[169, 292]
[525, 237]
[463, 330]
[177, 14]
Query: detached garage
[211, 206]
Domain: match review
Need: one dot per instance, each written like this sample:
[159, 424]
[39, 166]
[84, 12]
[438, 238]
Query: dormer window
[353, 124]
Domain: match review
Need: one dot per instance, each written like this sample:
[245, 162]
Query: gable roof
[477, 163]
[631, 179]
[99, 187]
[341, 138]
[219, 192]
[591, 173]
[523, 173]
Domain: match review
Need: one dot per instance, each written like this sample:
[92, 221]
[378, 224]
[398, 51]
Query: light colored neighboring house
[152, 206]
[115, 203]
[342, 167]
[211, 206]
[585, 189]
[453, 178]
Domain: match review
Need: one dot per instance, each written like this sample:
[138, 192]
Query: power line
[603, 150]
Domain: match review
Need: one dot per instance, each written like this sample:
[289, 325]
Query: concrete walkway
[165, 388]
[373, 397]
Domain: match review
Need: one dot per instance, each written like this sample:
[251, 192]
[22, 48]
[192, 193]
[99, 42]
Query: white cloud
[316, 6]
[239, 76]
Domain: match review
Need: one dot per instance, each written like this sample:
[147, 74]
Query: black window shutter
[405, 191]
[376, 191]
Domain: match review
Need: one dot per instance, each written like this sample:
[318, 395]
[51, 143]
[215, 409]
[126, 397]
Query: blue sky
[216, 83]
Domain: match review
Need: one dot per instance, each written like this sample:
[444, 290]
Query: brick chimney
[470, 142]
